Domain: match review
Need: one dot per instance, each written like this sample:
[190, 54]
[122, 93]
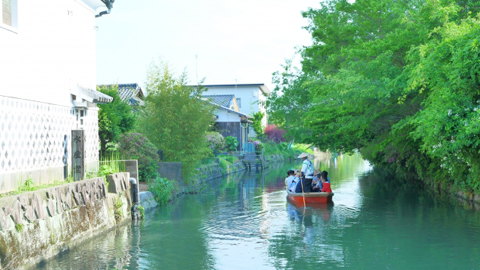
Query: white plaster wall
[51, 51]
[249, 95]
[225, 116]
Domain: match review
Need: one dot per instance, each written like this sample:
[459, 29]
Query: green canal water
[245, 222]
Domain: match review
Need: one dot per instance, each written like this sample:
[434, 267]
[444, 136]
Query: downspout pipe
[135, 195]
[134, 184]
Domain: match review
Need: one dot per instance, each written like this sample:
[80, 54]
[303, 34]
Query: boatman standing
[307, 170]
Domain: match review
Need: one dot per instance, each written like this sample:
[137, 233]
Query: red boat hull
[310, 198]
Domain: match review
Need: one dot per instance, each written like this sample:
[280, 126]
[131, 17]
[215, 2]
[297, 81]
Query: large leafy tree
[175, 118]
[397, 80]
[289, 101]
[114, 119]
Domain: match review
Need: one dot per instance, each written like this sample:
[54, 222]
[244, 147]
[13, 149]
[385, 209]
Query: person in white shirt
[307, 170]
[290, 180]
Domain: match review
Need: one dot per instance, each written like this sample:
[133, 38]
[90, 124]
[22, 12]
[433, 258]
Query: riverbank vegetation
[399, 81]
[175, 118]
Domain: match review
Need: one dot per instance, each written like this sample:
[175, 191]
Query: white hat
[302, 155]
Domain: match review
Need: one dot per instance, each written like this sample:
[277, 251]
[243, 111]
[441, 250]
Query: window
[239, 102]
[8, 16]
[80, 114]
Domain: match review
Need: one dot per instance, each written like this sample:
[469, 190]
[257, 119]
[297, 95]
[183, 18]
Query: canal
[245, 222]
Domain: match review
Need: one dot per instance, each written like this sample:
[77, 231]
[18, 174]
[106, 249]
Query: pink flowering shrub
[258, 145]
[215, 141]
[275, 133]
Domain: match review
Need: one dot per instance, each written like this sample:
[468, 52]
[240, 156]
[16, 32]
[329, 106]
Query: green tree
[289, 101]
[397, 80]
[175, 118]
[257, 123]
[114, 119]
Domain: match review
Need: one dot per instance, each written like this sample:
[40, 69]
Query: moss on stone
[19, 227]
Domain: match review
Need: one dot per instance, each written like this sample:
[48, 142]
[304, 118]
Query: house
[250, 98]
[131, 93]
[229, 121]
[48, 77]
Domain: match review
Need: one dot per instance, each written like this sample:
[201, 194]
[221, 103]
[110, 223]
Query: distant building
[249, 97]
[131, 93]
[48, 77]
[229, 121]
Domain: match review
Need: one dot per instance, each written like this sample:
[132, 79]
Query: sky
[222, 41]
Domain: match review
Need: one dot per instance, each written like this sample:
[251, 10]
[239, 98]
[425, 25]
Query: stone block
[94, 189]
[51, 205]
[23, 199]
[17, 212]
[6, 223]
[58, 201]
[28, 213]
[86, 192]
[118, 182]
[39, 206]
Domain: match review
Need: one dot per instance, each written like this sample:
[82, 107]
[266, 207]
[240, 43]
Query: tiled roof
[222, 100]
[130, 92]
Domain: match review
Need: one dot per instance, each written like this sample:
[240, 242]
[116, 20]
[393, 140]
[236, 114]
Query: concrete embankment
[173, 171]
[38, 225]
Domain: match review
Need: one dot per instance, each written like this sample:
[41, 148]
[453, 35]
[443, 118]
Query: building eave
[262, 86]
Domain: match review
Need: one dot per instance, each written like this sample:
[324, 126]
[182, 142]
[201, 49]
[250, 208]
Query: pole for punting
[303, 194]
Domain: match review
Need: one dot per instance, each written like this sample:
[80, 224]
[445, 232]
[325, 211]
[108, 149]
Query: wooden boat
[310, 198]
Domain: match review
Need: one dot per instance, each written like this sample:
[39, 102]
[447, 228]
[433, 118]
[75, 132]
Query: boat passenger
[319, 185]
[290, 179]
[307, 170]
[326, 185]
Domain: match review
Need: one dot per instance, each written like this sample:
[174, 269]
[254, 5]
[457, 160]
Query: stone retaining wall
[147, 200]
[37, 225]
[215, 170]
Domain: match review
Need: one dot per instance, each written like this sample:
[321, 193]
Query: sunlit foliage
[397, 80]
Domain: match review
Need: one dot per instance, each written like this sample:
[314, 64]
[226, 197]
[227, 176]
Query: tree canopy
[114, 119]
[396, 80]
[175, 118]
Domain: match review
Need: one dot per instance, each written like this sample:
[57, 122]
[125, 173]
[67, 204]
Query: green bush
[231, 159]
[231, 143]
[215, 141]
[137, 146]
[161, 189]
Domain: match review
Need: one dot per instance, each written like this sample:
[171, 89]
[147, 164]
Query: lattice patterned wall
[91, 134]
[36, 136]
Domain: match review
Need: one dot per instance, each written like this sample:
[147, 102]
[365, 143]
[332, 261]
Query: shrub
[231, 143]
[136, 146]
[114, 119]
[161, 189]
[215, 141]
[257, 123]
[275, 133]
[258, 146]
